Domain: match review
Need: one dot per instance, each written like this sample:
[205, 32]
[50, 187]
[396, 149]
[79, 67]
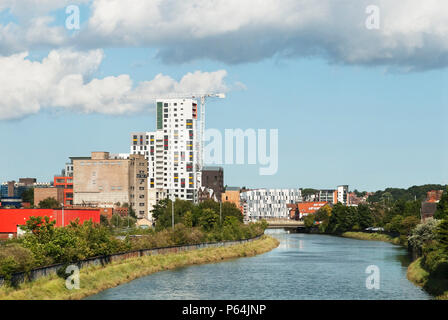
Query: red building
[11, 218]
[305, 208]
[434, 195]
[67, 184]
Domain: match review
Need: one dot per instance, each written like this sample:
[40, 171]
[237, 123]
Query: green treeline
[389, 195]
[398, 219]
[401, 221]
[44, 244]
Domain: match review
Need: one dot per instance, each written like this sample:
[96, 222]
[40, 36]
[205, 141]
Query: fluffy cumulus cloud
[413, 34]
[63, 79]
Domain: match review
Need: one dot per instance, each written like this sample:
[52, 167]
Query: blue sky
[367, 125]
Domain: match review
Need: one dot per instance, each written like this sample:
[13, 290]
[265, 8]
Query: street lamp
[62, 215]
[172, 210]
[220, 212]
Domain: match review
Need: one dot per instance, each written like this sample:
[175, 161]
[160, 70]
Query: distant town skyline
[370, 116]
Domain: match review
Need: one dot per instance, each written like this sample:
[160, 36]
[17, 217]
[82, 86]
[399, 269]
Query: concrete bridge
[284, 223]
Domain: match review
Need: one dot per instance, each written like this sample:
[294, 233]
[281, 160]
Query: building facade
[105, 181]
[48, 192]
[172, 150]
[213, 178]
[138, 185]
[269, 203]
[342, 195]
[12, 219]
[327, 195]
[65, 183]
[232, 194]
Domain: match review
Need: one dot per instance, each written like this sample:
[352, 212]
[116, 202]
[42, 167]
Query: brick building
[49, 192]
[213, 178]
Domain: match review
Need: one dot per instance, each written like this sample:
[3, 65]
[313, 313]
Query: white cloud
[413, 33]
[63, 80]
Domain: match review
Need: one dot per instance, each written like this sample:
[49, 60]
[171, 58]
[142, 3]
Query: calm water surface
[304, 266]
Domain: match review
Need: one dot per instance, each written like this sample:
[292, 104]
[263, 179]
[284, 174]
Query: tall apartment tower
[172, 150]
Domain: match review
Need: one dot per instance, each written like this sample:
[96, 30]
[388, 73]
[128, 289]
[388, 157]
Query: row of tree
[43, 244]
[390, 195]
[207, 215]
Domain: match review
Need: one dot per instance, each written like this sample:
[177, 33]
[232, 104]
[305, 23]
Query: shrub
[423, 233]
[435, 260]
[14, 258]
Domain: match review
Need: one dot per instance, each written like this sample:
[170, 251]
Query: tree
[309, 220]
[188, 219]
[342, 219]
[442, 233]
[442, 207]
[132, 212]
[208, 220]
[229, 209]
[394, 225]
[41, 227]
[49, 203]
[423, 233]
[308, 191]
[364, 215]
[408, 224]
[162, 213]
[104, 221]
[324, 213]
[28, 195]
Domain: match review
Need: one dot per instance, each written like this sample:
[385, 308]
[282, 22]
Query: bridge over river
[284, 223]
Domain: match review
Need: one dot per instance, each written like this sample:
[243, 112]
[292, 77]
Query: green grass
[432, 284]
[371, 236]
[95, 279]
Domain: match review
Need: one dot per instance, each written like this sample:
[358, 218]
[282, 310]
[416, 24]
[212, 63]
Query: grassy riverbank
[96, 278]
[422, 278]
[371, 236]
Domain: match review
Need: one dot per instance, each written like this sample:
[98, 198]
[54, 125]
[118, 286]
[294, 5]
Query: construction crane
[203, 98]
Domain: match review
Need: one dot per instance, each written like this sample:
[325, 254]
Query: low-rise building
[306, 208]
[213, 178]
[427, 210]
[104, 181]
[269, 203]
[11, 219]
[434, 195]
[48, 192]
[232, 194]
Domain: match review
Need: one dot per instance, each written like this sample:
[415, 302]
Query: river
[304, 266]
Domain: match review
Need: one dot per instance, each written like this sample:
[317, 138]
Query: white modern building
[172, 151]
[269, 203]
[328, 195]
[342, 193]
